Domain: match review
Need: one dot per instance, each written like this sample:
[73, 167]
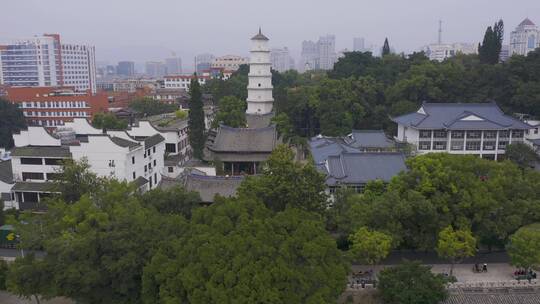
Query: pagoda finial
[260, 33]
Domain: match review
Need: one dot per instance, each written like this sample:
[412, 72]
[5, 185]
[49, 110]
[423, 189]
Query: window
[490, 134]
[53, 161]
[458, 134]
[31, 161]
[531, 42]
[439, 145]
[145, 168]
[503, 134]
[489, 145]
[474, 134]
[517, 133]
[440, 134]
[155, 164]
[170, 148]
[457, 145]
[149, 166]
[473, 145]
[133, 159]
[424, 145]
[155, 178]
[133, 174]
[32, 175]
[502, 145]
[111, 163]
[154, 149]
[425, 134]
[170, 169]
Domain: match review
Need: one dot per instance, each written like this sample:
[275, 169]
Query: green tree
[148, 107]
[97, 246]
[174, 200]
[75, 179]
[108, 121]
[521, 154]
[231, 112]
[11, 121]
[286, 183]
[370, 247]
[490, 49]
[29, 278]
[240, 252]
[455, 245]
[524, 247]
[3, 274]
[196, 119]
[411, 283]
[386, 48]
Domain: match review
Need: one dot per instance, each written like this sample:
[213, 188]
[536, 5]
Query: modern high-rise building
[320, 55]
[281, 59]
[46, 61]
[203, 62]
[359, 44]
[155, 69]
[173, 65]
[125, 68]
[525, 38]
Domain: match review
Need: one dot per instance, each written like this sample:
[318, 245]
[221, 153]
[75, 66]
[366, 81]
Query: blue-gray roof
[460, 116]
[323, 147]
[535, 142]
[361, 168]
[370, 139]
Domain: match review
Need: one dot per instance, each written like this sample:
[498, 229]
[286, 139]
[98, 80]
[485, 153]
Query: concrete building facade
[525, 38]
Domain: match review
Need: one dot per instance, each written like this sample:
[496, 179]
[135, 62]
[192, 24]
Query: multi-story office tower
[327, 52]
[173, 66]
[359, 44]
[281, 59]
[525, 38]
[155, 69]
[203, 62]
[46, 61]
[125, 68]
[320, 55]
[309, 56]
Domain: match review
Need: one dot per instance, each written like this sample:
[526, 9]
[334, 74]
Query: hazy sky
[150, 30]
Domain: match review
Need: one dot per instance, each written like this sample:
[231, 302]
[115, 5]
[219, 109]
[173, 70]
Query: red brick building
[52, 106]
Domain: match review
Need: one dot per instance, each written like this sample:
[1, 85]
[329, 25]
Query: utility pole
[440, 32]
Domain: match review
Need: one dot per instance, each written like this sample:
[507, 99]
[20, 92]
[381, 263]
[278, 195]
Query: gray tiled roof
[34, 186]
[454, 116]
[153, 140]
[6, 172]
[360, 168]
[140, 181]
[244, 140]
[370, 139]
[258, 121]
[41, 151]
[124, 142]
[209, 186]
[508, 297]
[323, 147]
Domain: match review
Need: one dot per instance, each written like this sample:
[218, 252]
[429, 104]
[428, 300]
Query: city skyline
[140, 38]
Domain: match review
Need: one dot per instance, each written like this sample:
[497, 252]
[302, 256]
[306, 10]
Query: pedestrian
[484, 267]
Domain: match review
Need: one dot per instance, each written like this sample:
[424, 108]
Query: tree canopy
[147, 106]
[490, 49]
[196, 119]
[524, 247]
[231, 112]
[370, 247]
[240, 252]
[11, 120]
[411, 283]
[108, 121]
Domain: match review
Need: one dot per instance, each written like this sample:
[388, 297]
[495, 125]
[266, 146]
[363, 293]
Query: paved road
[7, 298]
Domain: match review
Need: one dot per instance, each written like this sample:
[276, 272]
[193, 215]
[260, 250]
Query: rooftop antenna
[440, 32]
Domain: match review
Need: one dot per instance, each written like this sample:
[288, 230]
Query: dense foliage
[411, 283]
[524, 247]
[11, 121]
[363, 91]
[148, 107]
[231, 112]
[492, 199]
[108, 121]
[106, 243]
[370, 247]
[196, 119]
[490, 49]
